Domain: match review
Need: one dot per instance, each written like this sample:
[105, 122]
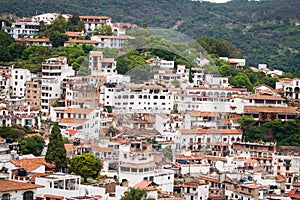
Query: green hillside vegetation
[265, 31]
[283, 133]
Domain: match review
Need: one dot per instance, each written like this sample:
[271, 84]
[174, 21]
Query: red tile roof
[83, 41]
[30, 164]
[50, 196]
[79, 110]
[73, 121]
[8, 185]
[266, 109]
[143, 184]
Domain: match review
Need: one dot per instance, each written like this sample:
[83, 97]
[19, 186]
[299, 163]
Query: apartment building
[84, 120]
[33, 94]
[130, 98]
[18, 82]
[198, 139]
[91, 22]
[115, 42]
[290, 87]
[54, 71]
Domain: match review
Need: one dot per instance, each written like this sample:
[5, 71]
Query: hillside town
[176, 136]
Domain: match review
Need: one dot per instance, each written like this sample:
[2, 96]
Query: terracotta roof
[108, 60]
[203, 114]
[73, 34]
[73, 121]
[69, 147]
[143, 184]
[267, 109]
[32, 40]
[212, 131]
[209, 179]
[50, 196]
[79, 110]
[172, 198]
[264, 97]
[94, 17]
[296, 184]
[250, 161]
[30, 164]
[260, 85]
[8, 185]
[251, 186]
[83, 41]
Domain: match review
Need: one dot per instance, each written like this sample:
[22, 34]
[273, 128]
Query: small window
[6, 196]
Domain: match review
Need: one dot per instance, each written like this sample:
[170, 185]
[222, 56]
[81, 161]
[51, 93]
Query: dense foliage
[31, 57]
[283, 133]
[32, 145]
[56, 152]
[86, 165]
[266, 31]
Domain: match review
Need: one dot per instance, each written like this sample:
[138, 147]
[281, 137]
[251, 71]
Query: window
[6, 196]
[28, 195]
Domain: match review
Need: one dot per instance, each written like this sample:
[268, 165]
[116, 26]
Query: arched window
[28, 195]
[6, 196]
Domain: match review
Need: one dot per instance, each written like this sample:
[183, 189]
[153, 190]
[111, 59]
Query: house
[24, 169]
[60, 186]
[115, 42]
[10, 189]
[290, 88]
[92, 22]
[45, 42]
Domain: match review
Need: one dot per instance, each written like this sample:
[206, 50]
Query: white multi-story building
[83, 120]
[115, 42]
[18, 82]
[195, 139]
[54, 70]
[210, 99]
[101, 66]
[140, 98]
[91, 22]
[23, 28]
[290, 87]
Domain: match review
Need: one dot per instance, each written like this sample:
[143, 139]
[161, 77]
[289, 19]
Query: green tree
[56, 152]
[103, 29]
[167, 152]
[75, 24]
[58, 39]
[32, 145]
[135, 194]
[59, 24]
[86, 165]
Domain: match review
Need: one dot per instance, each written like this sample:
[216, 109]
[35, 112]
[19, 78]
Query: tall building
[54, 71]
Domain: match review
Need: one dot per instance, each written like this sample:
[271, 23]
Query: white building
[17, 82]
[116, 42]
[54, 70]
[67, 186]
[290, 87]
[84, 120]
[91, 22]
[139, 97]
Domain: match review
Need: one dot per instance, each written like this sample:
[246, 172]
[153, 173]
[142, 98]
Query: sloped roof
[9, 185]
[30, 164]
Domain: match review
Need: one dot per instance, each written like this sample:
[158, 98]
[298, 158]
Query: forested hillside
[266, 31]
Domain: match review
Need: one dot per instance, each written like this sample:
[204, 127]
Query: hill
[266, 31]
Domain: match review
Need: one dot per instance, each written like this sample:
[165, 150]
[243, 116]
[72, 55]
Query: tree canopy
[32, 145]
[86, 165]
[103, 29]
[56, 152]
